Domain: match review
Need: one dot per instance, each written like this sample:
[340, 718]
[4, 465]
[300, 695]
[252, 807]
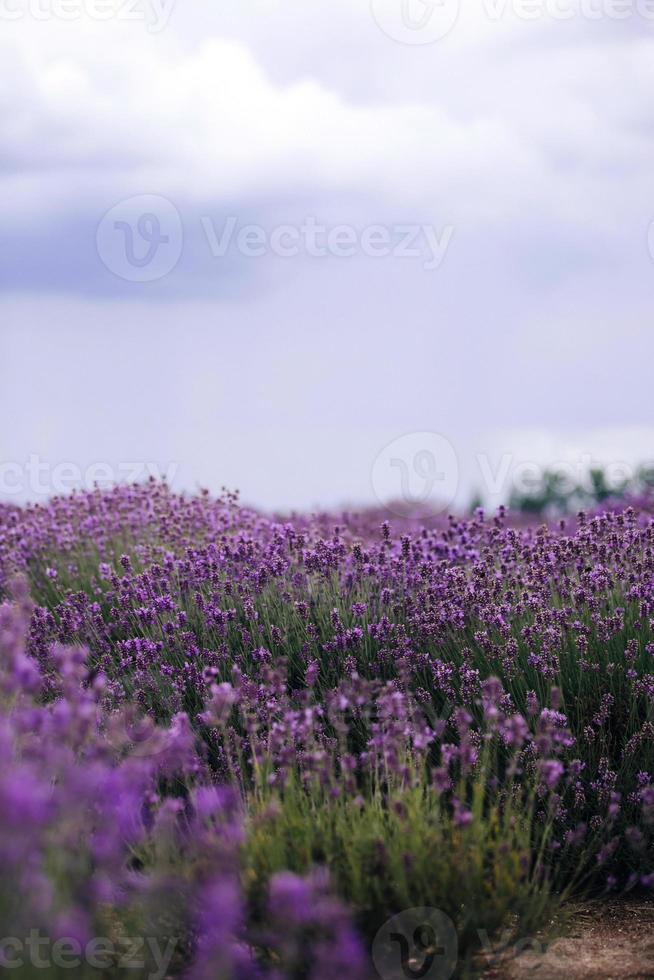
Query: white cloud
[505, 123]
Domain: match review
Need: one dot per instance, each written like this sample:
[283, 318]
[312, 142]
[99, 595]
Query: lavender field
[236, 747]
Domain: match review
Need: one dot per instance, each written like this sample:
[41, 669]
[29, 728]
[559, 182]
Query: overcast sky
[265, 245]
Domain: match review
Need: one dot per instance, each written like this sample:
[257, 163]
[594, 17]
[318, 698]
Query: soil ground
[604, 940]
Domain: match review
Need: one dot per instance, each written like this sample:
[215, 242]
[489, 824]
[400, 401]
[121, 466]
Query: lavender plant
[252, 740]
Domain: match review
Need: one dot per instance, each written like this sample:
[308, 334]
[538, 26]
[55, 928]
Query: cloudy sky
[280, 245]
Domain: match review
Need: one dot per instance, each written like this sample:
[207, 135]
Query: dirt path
[611, 940]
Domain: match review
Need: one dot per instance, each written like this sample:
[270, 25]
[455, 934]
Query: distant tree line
[555, 493]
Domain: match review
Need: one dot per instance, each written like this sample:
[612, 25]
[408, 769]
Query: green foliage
[555, 492]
